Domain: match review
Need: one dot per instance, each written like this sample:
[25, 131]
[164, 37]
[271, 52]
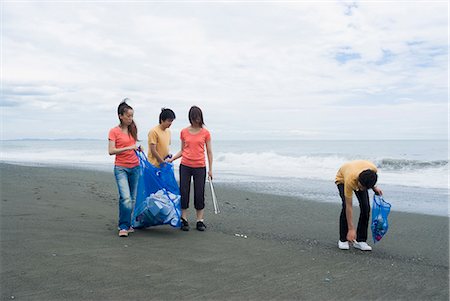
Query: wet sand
[59, 242]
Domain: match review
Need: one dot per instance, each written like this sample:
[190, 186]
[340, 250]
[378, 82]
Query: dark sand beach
[59, 242]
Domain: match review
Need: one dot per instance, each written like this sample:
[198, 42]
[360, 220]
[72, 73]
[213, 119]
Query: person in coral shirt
[122, 144]
[194, 139]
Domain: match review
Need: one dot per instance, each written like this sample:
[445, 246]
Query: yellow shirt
[161, 139]
[348, 175]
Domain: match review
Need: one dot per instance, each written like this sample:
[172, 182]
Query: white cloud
[257, 69]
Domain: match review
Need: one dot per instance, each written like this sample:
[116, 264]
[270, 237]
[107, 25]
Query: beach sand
[59, 242]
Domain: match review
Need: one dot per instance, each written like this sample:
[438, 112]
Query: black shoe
[201, 226]
[184, 225]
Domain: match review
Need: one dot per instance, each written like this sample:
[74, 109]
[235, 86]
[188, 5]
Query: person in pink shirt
[194, 138]
[122, 144]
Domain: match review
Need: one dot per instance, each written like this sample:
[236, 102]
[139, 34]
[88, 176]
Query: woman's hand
[210, 175]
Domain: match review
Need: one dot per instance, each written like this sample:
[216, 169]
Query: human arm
[351, 234]
[377, 190]
[155, 153]
[112, 150]
[210, 158]
[177, 155]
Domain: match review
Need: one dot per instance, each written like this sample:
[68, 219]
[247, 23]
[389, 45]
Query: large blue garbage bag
[158, 196]
[380, 212]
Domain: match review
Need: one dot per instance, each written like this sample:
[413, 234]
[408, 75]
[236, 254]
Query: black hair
[194, 114]
[166, 114]
[122, 109]
[368, 178]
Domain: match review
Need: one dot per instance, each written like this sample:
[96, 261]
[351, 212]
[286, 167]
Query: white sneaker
[363, 246]
[123, 233]
[343, 245]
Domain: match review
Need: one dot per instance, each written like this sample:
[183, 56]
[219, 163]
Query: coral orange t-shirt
[127, 158]
[193, 154]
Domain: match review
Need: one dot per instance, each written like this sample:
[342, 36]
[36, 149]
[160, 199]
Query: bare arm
[210, 158]
[351, 234]
[377, 190]
[112, 150]
[179, 154]
[155, 153]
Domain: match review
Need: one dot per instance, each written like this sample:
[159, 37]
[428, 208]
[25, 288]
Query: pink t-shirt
[127, 158]
[194, 147]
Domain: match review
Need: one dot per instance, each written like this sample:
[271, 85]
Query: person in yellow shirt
[355, 176]
[159, 138]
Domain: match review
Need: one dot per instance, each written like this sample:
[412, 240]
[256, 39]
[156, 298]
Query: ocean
[413, 174]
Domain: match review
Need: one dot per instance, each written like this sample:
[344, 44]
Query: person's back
[349, 173]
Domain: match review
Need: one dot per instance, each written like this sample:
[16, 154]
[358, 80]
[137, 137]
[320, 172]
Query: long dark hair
[194, 114]
[122, 109]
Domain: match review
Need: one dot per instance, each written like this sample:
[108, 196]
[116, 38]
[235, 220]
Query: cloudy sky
[259, 70]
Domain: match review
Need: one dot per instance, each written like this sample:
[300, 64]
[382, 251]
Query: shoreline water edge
[59, 241]
[413, 173]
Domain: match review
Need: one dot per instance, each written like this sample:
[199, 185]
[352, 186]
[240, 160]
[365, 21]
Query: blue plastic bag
[158, 196]
[380, 212]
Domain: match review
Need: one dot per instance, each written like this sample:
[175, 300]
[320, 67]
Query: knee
[127, 202]
[365, 212]
[199, 206]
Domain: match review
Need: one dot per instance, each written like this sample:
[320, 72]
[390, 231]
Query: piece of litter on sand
[240, 235]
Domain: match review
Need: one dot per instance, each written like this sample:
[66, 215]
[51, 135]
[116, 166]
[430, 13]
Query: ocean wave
[250, 164]
[403, 164]
[429, 174]
[323, 161]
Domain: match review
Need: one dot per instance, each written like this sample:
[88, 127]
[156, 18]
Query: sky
[257, 69]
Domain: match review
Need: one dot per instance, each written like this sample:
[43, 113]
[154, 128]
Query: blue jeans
[127, 182]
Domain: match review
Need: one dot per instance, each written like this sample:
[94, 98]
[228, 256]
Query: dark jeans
[363, 222]
[199, 175]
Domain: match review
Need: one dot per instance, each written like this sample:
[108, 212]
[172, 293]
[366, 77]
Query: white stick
[216, 207]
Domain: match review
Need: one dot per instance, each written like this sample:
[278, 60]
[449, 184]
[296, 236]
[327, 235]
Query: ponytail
[122, 109]
[132, 130]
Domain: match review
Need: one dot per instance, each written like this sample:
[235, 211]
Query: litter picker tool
[214, 199]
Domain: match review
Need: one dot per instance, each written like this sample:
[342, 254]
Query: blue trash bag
[158, 196]
[380, 212]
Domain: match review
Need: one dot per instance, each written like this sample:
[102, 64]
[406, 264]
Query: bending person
[355, 176]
